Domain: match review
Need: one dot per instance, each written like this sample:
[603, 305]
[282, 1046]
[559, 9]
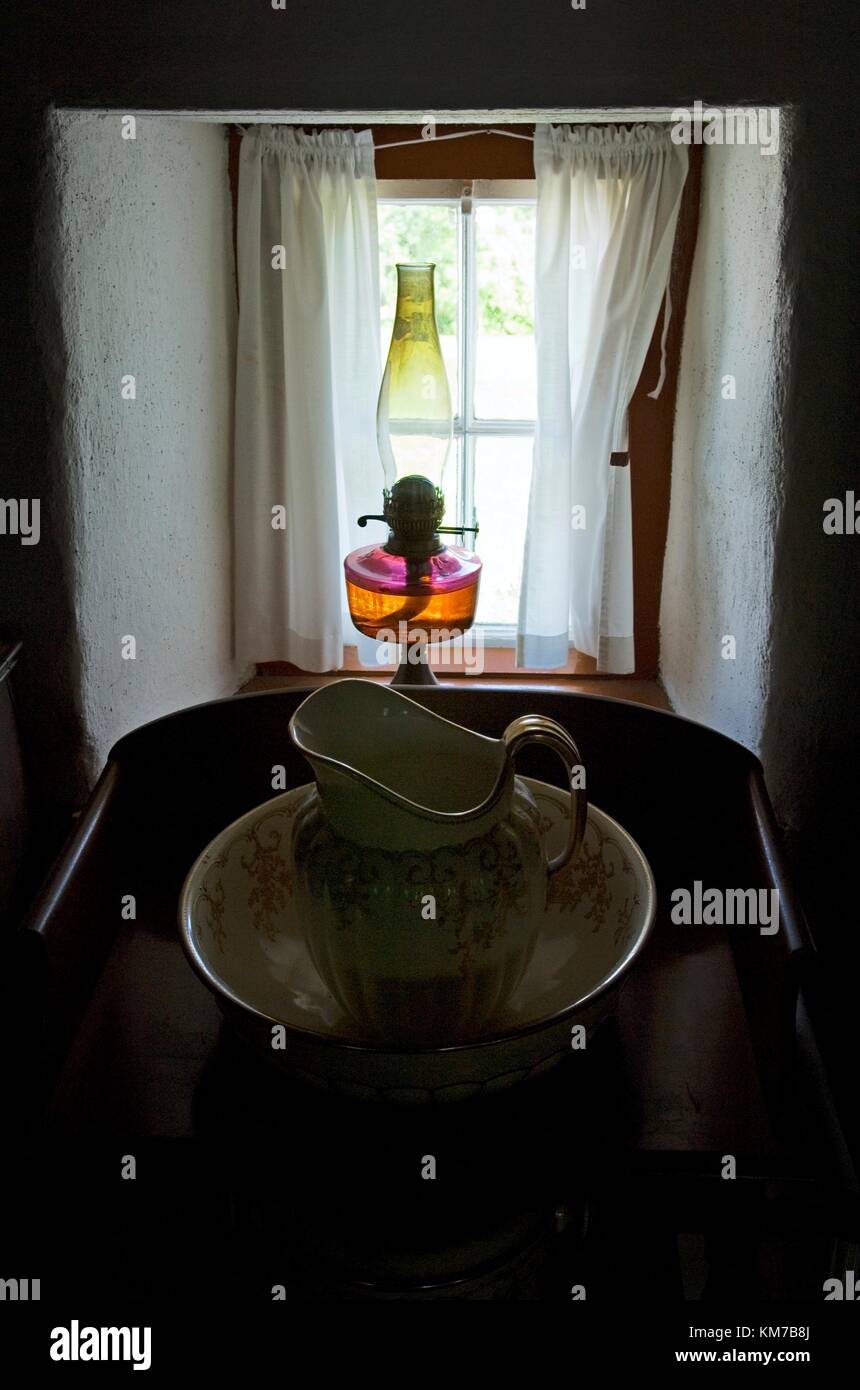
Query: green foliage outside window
[504, 245]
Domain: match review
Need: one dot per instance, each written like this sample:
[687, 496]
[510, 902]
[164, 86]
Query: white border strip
[495, 116]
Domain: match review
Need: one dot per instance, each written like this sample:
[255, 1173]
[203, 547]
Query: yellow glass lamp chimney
[413, 412]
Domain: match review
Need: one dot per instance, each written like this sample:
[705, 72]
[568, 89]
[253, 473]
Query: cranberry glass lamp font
[413, 590]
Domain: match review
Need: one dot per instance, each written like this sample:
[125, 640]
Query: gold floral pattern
[625, 917]
[475, 886]
[269, 869]
[213, 896]
[586, 884]
[264, 854]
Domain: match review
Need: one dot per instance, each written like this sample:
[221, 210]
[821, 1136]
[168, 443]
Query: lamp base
[416, 671]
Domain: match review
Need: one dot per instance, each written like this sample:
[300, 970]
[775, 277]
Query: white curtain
[607, 205]
[307, 378]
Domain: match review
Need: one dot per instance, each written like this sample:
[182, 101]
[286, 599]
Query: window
[482, 241]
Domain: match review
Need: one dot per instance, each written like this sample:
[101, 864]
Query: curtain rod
[457, 135]
[423, 140]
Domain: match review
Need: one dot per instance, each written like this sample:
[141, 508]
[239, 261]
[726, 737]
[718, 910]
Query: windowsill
[280, 675]
[498, 664]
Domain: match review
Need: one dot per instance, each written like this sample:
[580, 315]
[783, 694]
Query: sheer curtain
[307, 377]
[607, 205]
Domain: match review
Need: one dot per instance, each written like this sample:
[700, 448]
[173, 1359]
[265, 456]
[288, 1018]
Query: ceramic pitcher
[421, 871]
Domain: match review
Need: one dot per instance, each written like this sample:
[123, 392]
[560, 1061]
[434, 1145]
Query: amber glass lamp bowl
[400, 600]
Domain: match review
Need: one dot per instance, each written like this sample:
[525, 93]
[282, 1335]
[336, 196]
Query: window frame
[467, 427]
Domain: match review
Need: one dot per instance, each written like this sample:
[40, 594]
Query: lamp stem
[416, 671]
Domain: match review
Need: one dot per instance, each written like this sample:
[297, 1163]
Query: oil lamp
[414, 589]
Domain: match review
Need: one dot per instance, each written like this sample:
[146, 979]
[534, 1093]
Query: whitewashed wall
[142, 259]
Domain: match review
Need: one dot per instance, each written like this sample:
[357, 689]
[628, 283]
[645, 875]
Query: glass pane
[422, 232]
[454, 492]
[505, 377]
[503, 470]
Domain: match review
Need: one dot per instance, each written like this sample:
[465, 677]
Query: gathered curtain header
[348, 150]
[620, 149]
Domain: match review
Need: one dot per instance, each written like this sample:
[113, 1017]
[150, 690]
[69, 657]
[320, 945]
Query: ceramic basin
[243, 937]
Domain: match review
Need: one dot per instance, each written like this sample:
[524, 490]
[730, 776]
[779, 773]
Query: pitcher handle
[536, 728]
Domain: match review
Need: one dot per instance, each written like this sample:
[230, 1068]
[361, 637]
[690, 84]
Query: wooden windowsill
[280, 675]
[498, 662]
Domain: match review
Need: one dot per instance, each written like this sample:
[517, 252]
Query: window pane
[422, 232]
[503, 469]
[454, 491]
[505, 378]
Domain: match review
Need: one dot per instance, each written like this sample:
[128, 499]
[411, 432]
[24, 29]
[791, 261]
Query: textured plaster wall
[140, 271]
[811, 743]
[726, 470]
